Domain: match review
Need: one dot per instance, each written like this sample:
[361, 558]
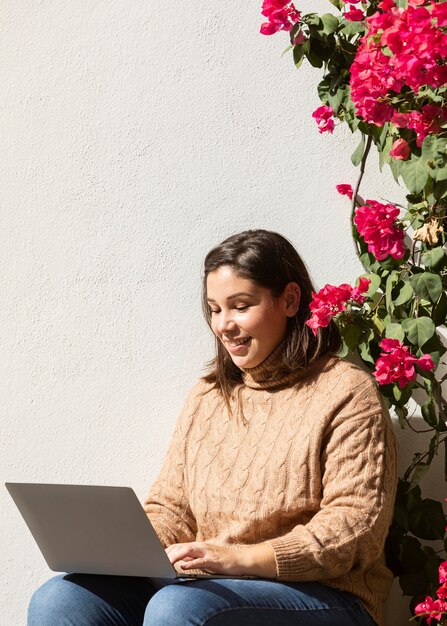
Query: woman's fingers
[208, 557]
[184, 551]
[255, 560]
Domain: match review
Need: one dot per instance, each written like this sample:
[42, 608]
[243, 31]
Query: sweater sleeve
[167, 504]
[359, 474]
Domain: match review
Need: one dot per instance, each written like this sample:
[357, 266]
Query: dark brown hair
[271, 261]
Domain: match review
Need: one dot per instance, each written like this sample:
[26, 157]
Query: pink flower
[428, 121]
[434, 608]
[324, 118]
[439, 11]
[417, 41]
[268, 28]
[400, 150]
[354, 14]
[397, 365]
[345, 190]
[376, 223]
[331, 300]
[270, 6]
[387, 5]
[281, 15]
[425, 363]
[443, 572]
[442, 592]
[360, 289]
[400, 120]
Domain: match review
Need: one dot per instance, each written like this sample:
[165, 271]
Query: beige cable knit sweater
[311, 469]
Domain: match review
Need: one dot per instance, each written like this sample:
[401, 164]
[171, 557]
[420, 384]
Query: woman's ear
[292, 297]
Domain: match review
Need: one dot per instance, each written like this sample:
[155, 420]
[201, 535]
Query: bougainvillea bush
[384, 74]
[435, 608]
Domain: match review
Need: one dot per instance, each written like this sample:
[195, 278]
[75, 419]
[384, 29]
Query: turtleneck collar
[271, 373]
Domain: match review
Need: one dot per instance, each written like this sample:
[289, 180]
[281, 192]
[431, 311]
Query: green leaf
[435, 348]
[402, 413]
[396, 168]
[418, 474]
[429, 148]
[440, 189]
[391, 282]
[431, 569]
[413, 583]
[333, 98]
[298, 54]
[419, 330]
[412, 556]
[314, 20]
[390, 263]
[434, 157]
[414, 173]
[350, 116]
[357, 155]
[320, 48]
[401, 396]
[440, 311]
[427, 286]
[429, 412]
[364, 352]
[330, 23]
[344, 351]
[378, 324]
[439, 174]
[369, 262]
[407, 498]
[337, 99]
[428, 520]
[351, 336]
[434, 258]
[314, 59]
[394, 331]
[397, 393]
[384, 152]
[406, 293]
[294, 32]
[441, 147]
[336, 3]
[353, 28]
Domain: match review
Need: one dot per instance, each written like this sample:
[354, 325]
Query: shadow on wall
[433, 486]
[397, 611]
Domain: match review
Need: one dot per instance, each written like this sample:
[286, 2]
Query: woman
[281, 472]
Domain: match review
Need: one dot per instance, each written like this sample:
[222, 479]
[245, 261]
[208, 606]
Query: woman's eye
[242, 307]
[214, 311]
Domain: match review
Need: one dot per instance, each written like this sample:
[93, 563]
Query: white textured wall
[135, 136]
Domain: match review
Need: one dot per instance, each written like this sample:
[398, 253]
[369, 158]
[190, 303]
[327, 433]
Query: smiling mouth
[234, 343]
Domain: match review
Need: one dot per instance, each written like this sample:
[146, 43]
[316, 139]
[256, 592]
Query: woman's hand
[256, 560]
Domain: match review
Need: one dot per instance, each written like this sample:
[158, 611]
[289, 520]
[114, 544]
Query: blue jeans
[87, 600]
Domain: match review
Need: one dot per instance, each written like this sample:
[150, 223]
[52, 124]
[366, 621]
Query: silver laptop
[93, 530]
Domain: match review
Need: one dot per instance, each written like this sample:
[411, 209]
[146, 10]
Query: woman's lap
[84, 600]
[81, 599]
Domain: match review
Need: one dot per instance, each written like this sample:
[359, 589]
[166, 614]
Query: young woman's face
[248, 320]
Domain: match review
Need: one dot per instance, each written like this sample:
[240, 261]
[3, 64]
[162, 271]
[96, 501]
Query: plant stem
[357, 187]
[435, 446]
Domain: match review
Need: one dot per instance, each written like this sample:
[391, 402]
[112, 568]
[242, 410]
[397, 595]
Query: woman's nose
[226, 322]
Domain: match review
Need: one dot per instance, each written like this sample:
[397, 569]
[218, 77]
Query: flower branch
[384, 75]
